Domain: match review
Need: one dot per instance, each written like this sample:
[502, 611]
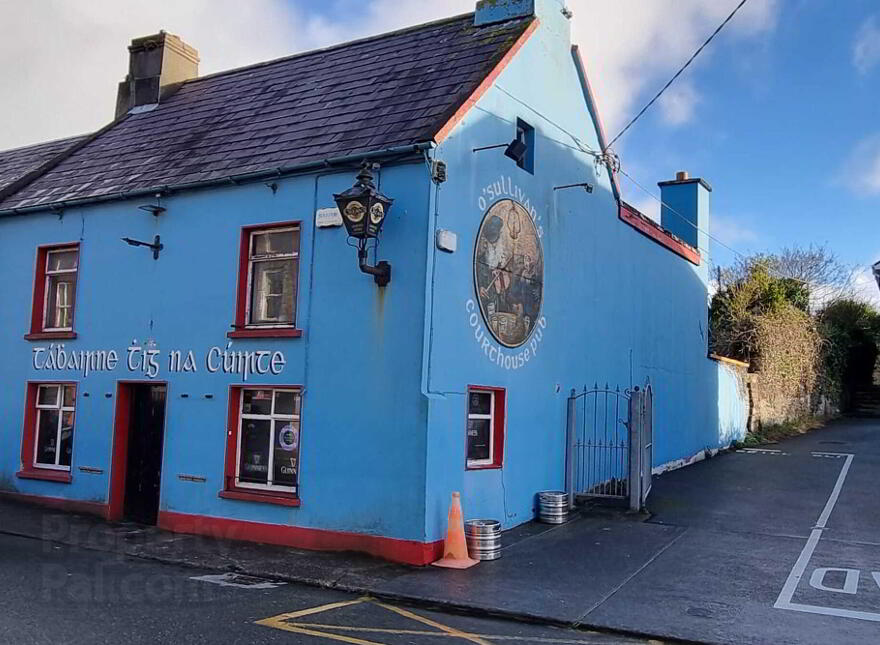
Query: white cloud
[649, 207]
[861, 171]
[866, 49]
[679, 103]
[632, 47]
[865, 286]
[731, 231]
[62, 60]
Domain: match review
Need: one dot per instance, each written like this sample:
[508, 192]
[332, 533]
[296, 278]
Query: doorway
[140, 429]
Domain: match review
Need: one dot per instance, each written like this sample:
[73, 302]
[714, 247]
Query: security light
[516, 150]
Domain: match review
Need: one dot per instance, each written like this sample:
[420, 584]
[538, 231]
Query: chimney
[685, 209]
[157, 65]
[553, 14]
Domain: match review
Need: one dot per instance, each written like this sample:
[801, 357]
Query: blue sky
[787, 131]
[781, 113]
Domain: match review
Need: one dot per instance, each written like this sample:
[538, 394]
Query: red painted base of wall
[404, 551]
[67, 505]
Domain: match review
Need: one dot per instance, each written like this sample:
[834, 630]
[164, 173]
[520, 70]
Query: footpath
[752, 546]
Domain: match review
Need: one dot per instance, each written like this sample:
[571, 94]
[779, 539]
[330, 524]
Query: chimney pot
[681, 175]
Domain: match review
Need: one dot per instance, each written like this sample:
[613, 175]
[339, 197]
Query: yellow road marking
[333, 637]
[450, 630]
[314, 610]
[281, 621]
[425, 632]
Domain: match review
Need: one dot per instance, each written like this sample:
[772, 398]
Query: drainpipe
[430, 266]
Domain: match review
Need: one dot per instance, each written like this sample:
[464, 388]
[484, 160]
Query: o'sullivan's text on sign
[147, 360]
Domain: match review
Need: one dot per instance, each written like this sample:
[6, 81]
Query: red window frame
[233, 427]
[499, 416]
[242, 328]
[29, 469]
[38, 306]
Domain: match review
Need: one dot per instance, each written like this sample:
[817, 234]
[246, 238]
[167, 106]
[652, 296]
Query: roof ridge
[321, 50]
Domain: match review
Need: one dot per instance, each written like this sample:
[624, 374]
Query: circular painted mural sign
[509, 272]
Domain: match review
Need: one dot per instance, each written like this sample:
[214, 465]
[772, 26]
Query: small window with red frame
[55, 291]
[53, 427]
[485, 427]
[263, 450]
[267, 281]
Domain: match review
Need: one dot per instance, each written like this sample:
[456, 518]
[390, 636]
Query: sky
[780, 113]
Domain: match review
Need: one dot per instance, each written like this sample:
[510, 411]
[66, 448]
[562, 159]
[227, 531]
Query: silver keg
[552, 506]
[483, 539]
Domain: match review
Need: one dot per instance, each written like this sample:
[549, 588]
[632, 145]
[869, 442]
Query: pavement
[778, 545]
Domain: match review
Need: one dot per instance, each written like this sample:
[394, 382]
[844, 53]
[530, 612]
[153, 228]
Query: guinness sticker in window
[509, 272]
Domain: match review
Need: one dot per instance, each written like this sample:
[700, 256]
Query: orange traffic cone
[455, 553]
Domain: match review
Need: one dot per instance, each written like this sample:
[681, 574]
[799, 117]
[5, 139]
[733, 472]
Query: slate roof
[16, 163]
[373, 94]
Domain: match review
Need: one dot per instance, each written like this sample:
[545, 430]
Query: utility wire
[678, 73]
[742, 256]
[584, 147]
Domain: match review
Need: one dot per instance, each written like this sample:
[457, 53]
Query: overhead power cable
[740, 255]
[678, 73]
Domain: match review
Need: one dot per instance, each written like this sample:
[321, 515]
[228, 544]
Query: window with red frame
[485, 427]
[55, 291]
[267, 281]
[49, 439]
[262, 454]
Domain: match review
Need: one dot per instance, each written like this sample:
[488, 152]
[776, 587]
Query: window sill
[265, 498]
[484, 467]
[51, 335]
[60, 476]
[265, 333]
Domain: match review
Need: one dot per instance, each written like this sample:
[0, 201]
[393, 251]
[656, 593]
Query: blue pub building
[190, 338]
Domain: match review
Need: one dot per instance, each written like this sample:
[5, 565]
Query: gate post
[569, 448]
[635, 450]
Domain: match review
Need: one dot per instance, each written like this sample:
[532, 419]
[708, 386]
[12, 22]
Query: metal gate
[610, 444]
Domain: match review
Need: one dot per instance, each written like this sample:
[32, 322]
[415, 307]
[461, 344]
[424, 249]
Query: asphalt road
[52, 593]
[780, 545]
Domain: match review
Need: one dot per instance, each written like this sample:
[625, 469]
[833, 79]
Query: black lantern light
[363, 210]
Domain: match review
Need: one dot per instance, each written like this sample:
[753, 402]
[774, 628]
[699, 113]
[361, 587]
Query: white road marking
[829, 505]
[850, 581]
[764, 451]
[238, 580]
[797, 572]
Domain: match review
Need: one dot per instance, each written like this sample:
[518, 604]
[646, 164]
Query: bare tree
[816, 267]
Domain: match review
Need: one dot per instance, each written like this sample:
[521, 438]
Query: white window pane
[286, 402]
[47, 437]
[286, 458]
[273, 292]
[478, 439]
[273, 243]
[480, 403]
[257, 402]
[48, 395]
[66, 444]
[254, 456]
[61, 292]
[62, 260]
[69, 396]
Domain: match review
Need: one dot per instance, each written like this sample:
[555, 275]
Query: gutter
[281, 171]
